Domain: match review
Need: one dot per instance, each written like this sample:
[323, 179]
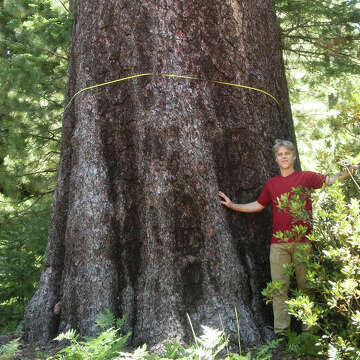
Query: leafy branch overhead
[324, 36]
[34, 43]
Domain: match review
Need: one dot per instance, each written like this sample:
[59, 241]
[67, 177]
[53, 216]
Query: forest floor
[29, 352]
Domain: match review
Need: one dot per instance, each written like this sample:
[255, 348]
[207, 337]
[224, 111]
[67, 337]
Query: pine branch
[317, 39]
[332, 53]
[34, 196]
[300, 52]
[27, 210]
[325, 53]
[52, 138]
[36, 173]
[63, 5]
[316, 24]
[308, 115]
[57, 55]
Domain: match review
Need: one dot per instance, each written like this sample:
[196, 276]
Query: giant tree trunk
[137, 226]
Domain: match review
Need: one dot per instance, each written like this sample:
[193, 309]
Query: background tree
[321, 46]
[34, 37]
[137, 226]
[321, 36]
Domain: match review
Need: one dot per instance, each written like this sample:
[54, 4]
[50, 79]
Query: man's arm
[339, 176]
[248, 208]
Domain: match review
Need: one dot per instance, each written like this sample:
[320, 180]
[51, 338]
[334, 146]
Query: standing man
[283, 252]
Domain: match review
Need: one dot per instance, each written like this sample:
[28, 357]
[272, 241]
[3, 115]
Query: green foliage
[10, 350]
[105, 346]
[107, 319]
[334, 272]
[321, 47]
[108, 345]
[305, 309]
[272, 289]
[295, 204]
[327, 133]
[302, 344]
[321, 51]
[210, 345]
[343, 147]
[34, 42]
[139, 354]
[320, 36]
[22, 241]
[331, 309]
[173, 350]
[34, 37]
[266, 350]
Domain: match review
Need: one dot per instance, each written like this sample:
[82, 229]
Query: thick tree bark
[137, 226]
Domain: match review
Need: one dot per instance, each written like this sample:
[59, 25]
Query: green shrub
[105, 346]
[302, 344]
[208, 346]
[10, 350]
[331, 308]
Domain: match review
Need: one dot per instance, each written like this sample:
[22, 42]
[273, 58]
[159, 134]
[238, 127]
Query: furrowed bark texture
[137, 226]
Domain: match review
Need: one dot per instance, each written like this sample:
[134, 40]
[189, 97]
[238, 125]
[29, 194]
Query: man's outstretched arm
[248, 208]
[330, 179]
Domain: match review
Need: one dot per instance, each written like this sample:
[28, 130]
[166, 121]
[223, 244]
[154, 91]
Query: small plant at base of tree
[209, 346]
[10, 350]
[105, 346]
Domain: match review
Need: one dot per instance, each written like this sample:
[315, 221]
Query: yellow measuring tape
[170, 76]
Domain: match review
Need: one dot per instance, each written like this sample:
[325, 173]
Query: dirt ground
[29, 352]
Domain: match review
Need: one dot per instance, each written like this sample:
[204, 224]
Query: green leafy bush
[302, 344]
[331, 309]
[334, 274]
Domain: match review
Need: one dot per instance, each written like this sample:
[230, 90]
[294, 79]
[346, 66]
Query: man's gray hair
[286, 143]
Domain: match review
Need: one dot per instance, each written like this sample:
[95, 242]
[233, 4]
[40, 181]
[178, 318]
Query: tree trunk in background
[137, 226]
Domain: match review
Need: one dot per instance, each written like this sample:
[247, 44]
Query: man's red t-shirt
[278, 185]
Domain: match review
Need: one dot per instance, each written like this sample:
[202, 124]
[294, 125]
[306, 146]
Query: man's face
[285, 158]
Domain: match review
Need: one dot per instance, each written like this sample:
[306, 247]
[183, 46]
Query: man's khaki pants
[281, 254]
